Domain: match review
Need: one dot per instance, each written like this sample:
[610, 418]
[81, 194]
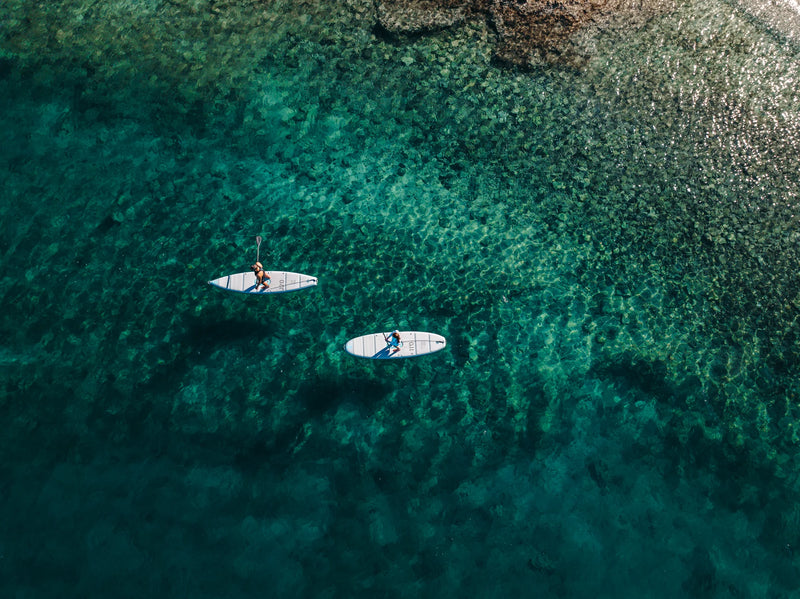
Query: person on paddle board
[262, 278]
[393, 340]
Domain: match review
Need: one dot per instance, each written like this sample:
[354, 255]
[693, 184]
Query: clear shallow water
[610, 252]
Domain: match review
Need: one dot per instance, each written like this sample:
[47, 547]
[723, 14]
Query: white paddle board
[280, 282]
[412, 343]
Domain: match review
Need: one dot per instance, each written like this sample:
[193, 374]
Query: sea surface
[611, 249]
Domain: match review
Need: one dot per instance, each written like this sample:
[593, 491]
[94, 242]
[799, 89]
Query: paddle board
[280, 282]
[412, 343]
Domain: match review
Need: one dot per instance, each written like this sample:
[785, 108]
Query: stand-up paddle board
[280, 282]
[412, 343]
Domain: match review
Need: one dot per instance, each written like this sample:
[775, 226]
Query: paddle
[258, 247]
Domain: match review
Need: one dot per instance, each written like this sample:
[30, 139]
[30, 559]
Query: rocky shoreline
[528, 31]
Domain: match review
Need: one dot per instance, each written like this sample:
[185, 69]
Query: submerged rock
[530, 27]
[413, 17]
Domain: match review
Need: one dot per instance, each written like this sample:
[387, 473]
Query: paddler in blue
[393, 340]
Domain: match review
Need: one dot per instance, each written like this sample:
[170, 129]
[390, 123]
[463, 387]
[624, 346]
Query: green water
[610, 251]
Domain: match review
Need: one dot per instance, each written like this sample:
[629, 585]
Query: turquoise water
[610, 250]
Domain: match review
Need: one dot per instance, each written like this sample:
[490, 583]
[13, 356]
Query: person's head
[396, 333]
[256, 267]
